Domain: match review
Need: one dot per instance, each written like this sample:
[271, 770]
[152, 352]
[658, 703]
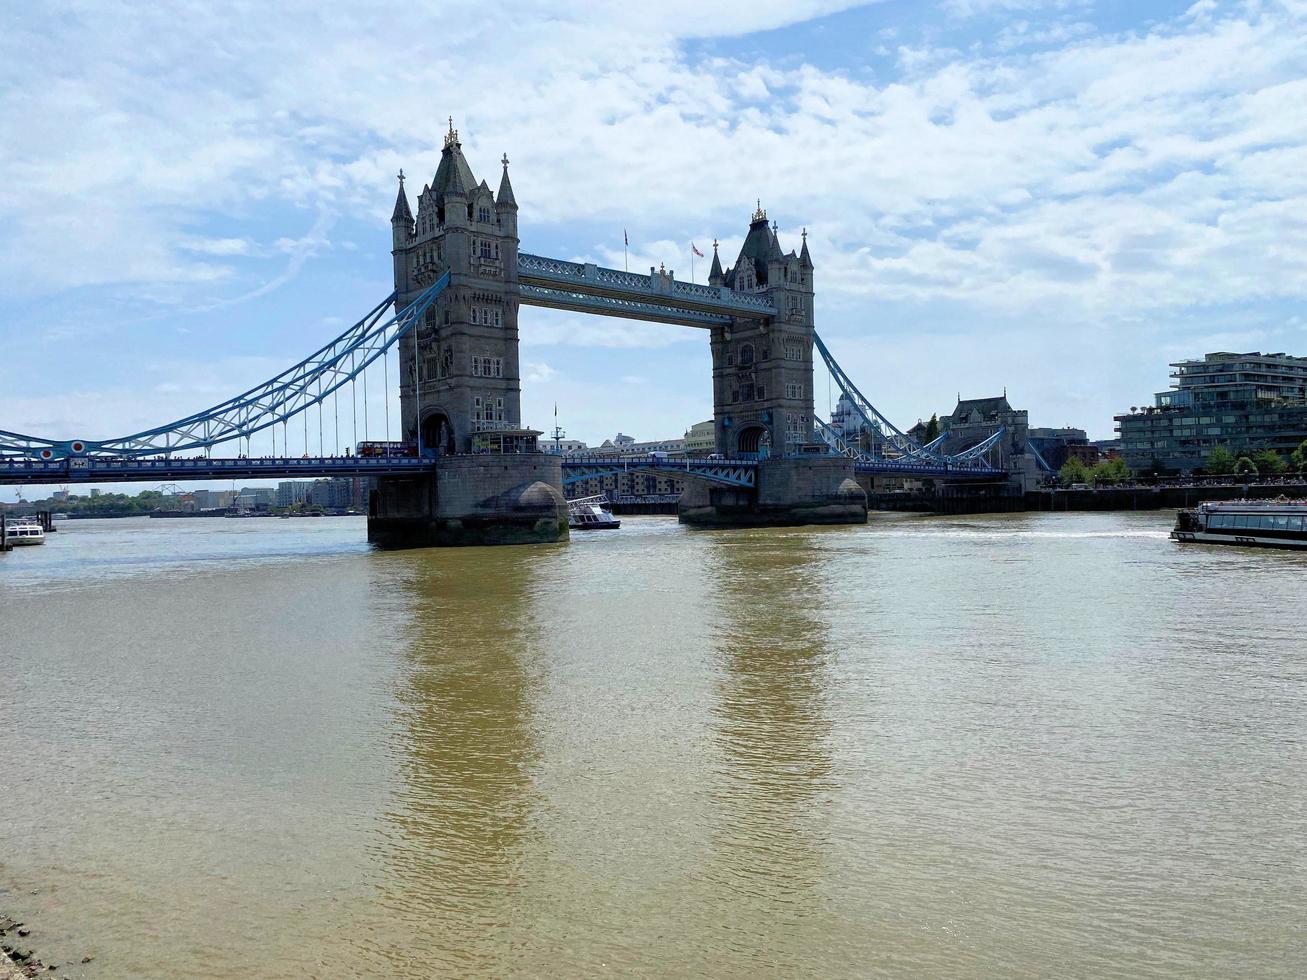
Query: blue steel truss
[632, 309]
[276, 400]
[107, 469]
[657, 296]
[900, 445]
[971, 459]
[733, 472]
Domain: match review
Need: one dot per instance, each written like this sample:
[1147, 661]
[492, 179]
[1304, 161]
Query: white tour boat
[24, 531]
[1251, 523]
[588, 514]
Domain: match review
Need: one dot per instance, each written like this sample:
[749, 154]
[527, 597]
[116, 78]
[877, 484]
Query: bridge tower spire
[460, 385]
[762, 368]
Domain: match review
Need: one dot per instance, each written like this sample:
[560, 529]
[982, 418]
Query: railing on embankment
[1170, 497]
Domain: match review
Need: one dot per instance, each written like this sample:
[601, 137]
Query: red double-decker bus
[385, 449]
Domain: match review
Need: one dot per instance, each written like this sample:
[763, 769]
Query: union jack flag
[695, 250]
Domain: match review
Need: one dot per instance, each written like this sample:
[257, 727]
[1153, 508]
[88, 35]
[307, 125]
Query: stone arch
[753, 440]
[437, 433]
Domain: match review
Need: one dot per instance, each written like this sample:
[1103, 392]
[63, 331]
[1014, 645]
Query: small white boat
[588, 514]
[24, 532]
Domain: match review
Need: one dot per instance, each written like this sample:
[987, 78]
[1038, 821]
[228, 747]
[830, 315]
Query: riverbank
[17, 959]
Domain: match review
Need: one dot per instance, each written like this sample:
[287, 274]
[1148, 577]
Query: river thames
[1009, 745]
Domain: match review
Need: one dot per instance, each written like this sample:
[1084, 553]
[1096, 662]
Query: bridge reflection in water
[451, 851]
[616, 769]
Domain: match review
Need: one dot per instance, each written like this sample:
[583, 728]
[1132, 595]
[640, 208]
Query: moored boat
[589, 514]
[24, 532]
[1251, 523]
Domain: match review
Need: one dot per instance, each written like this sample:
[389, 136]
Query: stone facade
[762, 368]
[459, 372]
[472, 500]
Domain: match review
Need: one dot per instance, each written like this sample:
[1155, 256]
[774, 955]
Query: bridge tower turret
[762, 368]
[460, 388]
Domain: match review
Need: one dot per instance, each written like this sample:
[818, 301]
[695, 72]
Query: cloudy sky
[1056, 196]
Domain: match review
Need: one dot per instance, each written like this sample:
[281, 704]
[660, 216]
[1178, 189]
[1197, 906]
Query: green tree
[1073, 471]
[1245, 466]
[1298, 458]
[932, 428]
[1109, 471]
[1268, 462]
[1219, 461]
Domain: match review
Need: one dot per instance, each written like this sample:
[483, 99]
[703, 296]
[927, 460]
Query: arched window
[746, 355]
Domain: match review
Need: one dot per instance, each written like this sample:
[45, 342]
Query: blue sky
[1056, 196]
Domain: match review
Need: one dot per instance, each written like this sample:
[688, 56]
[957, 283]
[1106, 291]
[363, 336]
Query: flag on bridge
[626, 239]
[695, 250]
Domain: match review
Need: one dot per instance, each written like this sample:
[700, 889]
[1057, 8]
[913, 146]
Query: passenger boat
[24, 532]
[588, 514]
[1251, 523]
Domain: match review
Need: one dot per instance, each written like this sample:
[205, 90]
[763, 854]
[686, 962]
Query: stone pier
[472, 500]
[790, 492]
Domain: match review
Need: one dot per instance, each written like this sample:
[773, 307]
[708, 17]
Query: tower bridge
[472, 473]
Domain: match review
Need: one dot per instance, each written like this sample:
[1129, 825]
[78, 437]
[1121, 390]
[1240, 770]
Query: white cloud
[1100, 180]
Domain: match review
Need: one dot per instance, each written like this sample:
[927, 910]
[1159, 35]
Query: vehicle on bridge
[389, 450]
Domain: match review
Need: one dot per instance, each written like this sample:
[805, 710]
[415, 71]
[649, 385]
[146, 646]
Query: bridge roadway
[107, 469]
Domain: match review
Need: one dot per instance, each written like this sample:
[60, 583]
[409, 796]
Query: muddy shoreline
[18, 961]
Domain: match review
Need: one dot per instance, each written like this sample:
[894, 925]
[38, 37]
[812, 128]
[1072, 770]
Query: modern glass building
[1244, 402]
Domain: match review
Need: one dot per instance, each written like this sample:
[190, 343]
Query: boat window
[1281, 522]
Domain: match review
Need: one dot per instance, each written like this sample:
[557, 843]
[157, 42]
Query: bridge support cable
[262, 407]
[891, 436]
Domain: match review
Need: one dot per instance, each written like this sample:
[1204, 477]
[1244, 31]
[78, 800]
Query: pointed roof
[805, 259]
[453, 175]
[759, 247]
[402, 212]
[715, 273]
[505, 198]
[982, 408]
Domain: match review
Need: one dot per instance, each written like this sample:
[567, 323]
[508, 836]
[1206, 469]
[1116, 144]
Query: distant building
[292, 492]
[622, 445]
[1056, 446]
[338, 493]
[255, 498]
[701, 438]
[974, 420]
[846, 418]
[59, 495]
[562, 447]
[1243, 402]
[638, 483]
[213, 499]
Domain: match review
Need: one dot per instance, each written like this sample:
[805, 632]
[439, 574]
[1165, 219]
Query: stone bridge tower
[762, 369]
[460, 387]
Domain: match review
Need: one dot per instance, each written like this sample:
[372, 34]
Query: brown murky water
[998, 746]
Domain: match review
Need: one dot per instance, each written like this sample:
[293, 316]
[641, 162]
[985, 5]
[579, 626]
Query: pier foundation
[471, 500]
[790, 492]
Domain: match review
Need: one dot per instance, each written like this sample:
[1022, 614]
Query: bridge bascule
[473, 473]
